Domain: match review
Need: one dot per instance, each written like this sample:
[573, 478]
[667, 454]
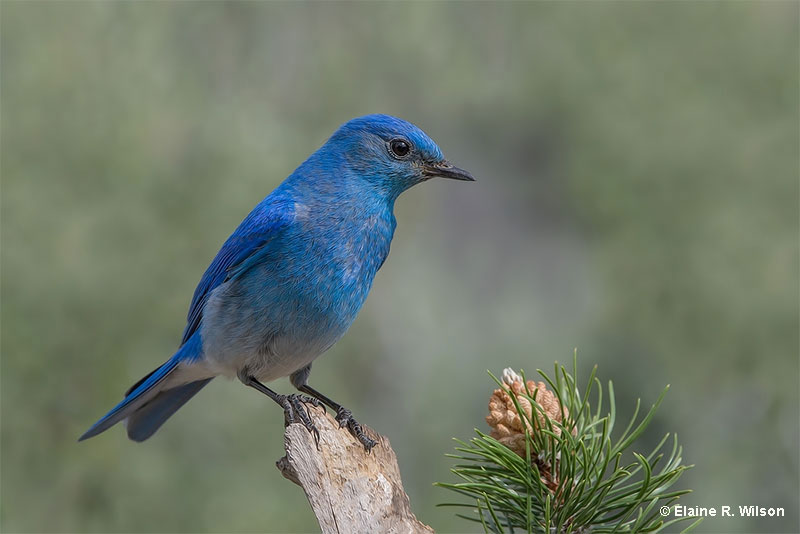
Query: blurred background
[637, 199]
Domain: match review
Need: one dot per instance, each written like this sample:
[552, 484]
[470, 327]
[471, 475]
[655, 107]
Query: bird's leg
[293, 405]
[343, 416]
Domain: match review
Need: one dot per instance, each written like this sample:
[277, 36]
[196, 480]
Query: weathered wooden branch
[350, 491]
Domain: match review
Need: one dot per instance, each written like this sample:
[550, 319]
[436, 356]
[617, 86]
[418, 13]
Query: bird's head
[390, 153]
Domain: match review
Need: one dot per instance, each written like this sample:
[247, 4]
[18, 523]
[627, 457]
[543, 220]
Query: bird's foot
[296, 411]
[345, 418]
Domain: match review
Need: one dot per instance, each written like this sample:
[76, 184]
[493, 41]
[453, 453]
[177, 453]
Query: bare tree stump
[350, 491]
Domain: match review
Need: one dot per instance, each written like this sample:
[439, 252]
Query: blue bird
[290, 280]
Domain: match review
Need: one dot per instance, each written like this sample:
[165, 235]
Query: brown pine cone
[503, 418]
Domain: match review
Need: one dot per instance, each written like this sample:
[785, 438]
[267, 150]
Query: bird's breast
[346, 261]
[301, 298]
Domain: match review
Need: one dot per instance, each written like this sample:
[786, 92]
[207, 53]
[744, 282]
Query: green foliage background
[637, 198]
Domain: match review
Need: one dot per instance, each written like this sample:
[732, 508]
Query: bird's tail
[144, 421]
[147, 404]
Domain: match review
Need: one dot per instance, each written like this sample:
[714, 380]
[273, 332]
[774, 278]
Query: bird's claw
[345, 418]
[296, 411]
[343, 415]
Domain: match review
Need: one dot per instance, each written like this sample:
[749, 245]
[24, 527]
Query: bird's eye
[400, 148]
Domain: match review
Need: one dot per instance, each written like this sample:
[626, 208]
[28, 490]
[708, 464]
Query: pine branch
[553, 466]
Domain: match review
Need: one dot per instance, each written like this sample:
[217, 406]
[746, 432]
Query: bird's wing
[246, 243]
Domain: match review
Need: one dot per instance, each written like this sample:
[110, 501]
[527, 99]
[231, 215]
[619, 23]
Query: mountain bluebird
[289, 281]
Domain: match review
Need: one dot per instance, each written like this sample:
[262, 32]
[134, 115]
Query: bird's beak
[444, 169]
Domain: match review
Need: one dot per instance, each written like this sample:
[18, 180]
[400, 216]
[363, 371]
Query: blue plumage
[289, 281]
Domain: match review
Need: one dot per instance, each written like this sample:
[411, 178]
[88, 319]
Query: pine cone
[507, 427]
